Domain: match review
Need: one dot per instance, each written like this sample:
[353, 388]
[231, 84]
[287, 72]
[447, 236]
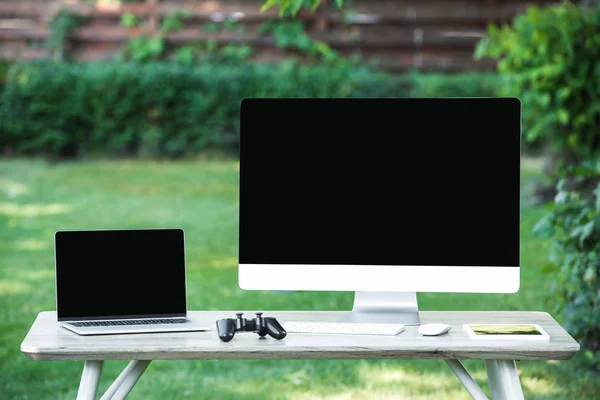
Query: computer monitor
[384, 197]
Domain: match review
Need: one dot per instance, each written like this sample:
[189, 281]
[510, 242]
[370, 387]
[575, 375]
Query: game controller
[227, 327]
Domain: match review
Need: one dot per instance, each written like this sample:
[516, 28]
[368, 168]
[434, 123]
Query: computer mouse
[434, 329]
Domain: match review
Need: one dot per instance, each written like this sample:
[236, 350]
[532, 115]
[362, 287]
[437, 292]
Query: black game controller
[227, 327]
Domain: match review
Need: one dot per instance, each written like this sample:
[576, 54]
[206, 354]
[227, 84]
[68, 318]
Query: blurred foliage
[291, 7]
[61, 26]
[550, 56]
[155, 47]
[144, 48]
[130, 20]
[574, 223]
[292, 35]
[149, 47]
[202, 51]
[472, 84]
[288, 35]
[4, 68]
[160, 109]
[169, 109]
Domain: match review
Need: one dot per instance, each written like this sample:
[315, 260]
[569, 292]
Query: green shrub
[473, 84]
[4, 67]
[575, 256]
[550, 59]
[168, 109]
[157, 108]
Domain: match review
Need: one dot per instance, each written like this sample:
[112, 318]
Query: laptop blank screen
[120, 274]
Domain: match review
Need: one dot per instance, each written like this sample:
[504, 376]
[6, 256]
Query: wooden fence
[425, 34]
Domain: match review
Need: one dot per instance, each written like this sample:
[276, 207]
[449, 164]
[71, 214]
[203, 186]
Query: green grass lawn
[37, 198]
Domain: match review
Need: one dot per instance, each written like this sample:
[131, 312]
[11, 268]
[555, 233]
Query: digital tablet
[506, 331]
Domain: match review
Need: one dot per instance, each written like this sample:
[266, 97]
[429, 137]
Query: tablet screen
[504, 329]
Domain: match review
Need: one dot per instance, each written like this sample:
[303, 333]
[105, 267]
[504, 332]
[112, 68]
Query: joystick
[227, 327]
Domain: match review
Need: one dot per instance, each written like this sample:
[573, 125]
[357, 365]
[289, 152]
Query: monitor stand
[385, 308]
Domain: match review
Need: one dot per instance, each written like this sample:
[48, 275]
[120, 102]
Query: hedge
[167, 109]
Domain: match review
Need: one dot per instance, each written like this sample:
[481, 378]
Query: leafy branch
[150, 47]
[292, 7]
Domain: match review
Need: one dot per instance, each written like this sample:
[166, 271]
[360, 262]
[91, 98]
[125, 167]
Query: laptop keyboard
[132, 322]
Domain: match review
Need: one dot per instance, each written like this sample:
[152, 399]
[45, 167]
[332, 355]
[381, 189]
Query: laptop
[122, 281]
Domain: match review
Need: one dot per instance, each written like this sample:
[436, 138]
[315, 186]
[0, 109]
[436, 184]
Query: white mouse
[434, 329]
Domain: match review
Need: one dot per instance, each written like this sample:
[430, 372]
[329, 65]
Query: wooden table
[48, 341]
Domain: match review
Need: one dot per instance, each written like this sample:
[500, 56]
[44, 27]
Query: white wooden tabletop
[46, 340]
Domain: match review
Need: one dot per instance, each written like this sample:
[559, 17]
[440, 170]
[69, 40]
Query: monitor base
[384, 308]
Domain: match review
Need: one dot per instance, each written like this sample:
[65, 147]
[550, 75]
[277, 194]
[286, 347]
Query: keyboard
[343, 328]
[132, 322]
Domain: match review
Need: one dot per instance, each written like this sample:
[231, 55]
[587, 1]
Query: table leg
[466, 379]
[88, 386]
[504, 379]
[126, 380]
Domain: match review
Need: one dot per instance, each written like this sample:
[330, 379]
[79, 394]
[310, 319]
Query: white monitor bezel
[379, 278]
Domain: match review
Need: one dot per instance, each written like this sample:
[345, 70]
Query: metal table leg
[126, 380]
[466, 379]
[504, 379]
[88, 386]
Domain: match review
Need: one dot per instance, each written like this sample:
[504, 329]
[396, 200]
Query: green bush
[549, 57]
[574, 223]
[4, 67]
[158, 108]
[169, 109]
[473, 84]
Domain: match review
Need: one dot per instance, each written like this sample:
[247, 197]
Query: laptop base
[127, 329]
